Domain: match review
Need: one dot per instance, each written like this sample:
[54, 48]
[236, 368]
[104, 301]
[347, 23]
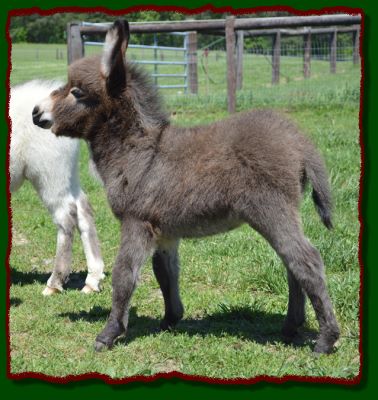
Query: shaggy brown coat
[165, 183]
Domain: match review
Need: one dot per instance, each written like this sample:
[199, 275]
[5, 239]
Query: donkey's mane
[145, 98]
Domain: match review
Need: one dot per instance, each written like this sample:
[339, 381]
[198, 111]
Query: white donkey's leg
[16, 180]
[16, 164]
[65, 218]
[91, 245]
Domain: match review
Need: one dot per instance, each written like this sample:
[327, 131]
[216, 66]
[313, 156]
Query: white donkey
[51, 165]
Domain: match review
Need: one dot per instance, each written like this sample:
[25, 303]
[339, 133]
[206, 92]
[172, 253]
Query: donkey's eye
[77, 93]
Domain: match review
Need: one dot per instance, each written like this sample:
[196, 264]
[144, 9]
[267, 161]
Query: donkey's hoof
[288, 333]
[327, 340]
[99, 346]
[168, 326]
[48, 291]
[320, 349]
[325, 347]
[88, 289]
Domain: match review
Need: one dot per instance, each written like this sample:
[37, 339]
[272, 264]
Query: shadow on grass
[241, 322]
[76, 279]
[28, 278]
[15, 302]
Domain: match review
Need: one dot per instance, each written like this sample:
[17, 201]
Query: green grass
[233, 285]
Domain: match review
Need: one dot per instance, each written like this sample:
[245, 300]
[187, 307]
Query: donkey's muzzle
[38, 119]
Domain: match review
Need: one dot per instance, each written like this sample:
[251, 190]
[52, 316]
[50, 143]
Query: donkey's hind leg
[91, 245]
[295, 317]
[165, 264]
[65, 220]
[305, 269]
[306, 265]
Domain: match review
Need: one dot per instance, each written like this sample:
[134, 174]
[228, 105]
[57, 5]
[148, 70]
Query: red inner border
[141, 378]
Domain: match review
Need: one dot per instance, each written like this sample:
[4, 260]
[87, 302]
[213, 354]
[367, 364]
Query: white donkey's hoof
[87, 289]
[48, 291]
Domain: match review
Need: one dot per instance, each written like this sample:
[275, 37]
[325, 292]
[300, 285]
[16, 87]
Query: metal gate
[155, 62]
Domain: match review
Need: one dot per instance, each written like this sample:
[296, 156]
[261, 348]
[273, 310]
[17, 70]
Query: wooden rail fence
[243, 27]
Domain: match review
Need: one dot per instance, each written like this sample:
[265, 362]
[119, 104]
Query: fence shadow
[243, 323]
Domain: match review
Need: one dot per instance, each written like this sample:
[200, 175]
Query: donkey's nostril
[36, 115]
[35, 111]
[38, 118]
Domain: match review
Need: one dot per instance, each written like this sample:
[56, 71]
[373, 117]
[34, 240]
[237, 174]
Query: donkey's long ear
[113, 65]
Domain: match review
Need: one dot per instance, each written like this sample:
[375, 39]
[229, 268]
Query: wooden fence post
[231, 67]
[356, 46]
[239, 60]
[307, 54]
[333, 51]
[276, 52]
[155, 59]
[192, 62]
[75, 44]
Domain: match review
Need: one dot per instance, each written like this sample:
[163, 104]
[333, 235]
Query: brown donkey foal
[165, 183]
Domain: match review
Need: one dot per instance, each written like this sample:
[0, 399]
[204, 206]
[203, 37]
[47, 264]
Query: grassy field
[233, 285]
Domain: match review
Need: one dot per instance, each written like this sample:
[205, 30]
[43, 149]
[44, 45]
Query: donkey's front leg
[137, 242]
[65, 219]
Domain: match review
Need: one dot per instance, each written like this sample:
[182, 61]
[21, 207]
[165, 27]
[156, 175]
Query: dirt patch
[19, 239]
[167, 366]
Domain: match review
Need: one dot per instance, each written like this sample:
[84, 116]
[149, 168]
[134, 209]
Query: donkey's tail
[321, 194]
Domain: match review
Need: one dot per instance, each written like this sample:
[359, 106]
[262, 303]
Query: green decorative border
[174, 387]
